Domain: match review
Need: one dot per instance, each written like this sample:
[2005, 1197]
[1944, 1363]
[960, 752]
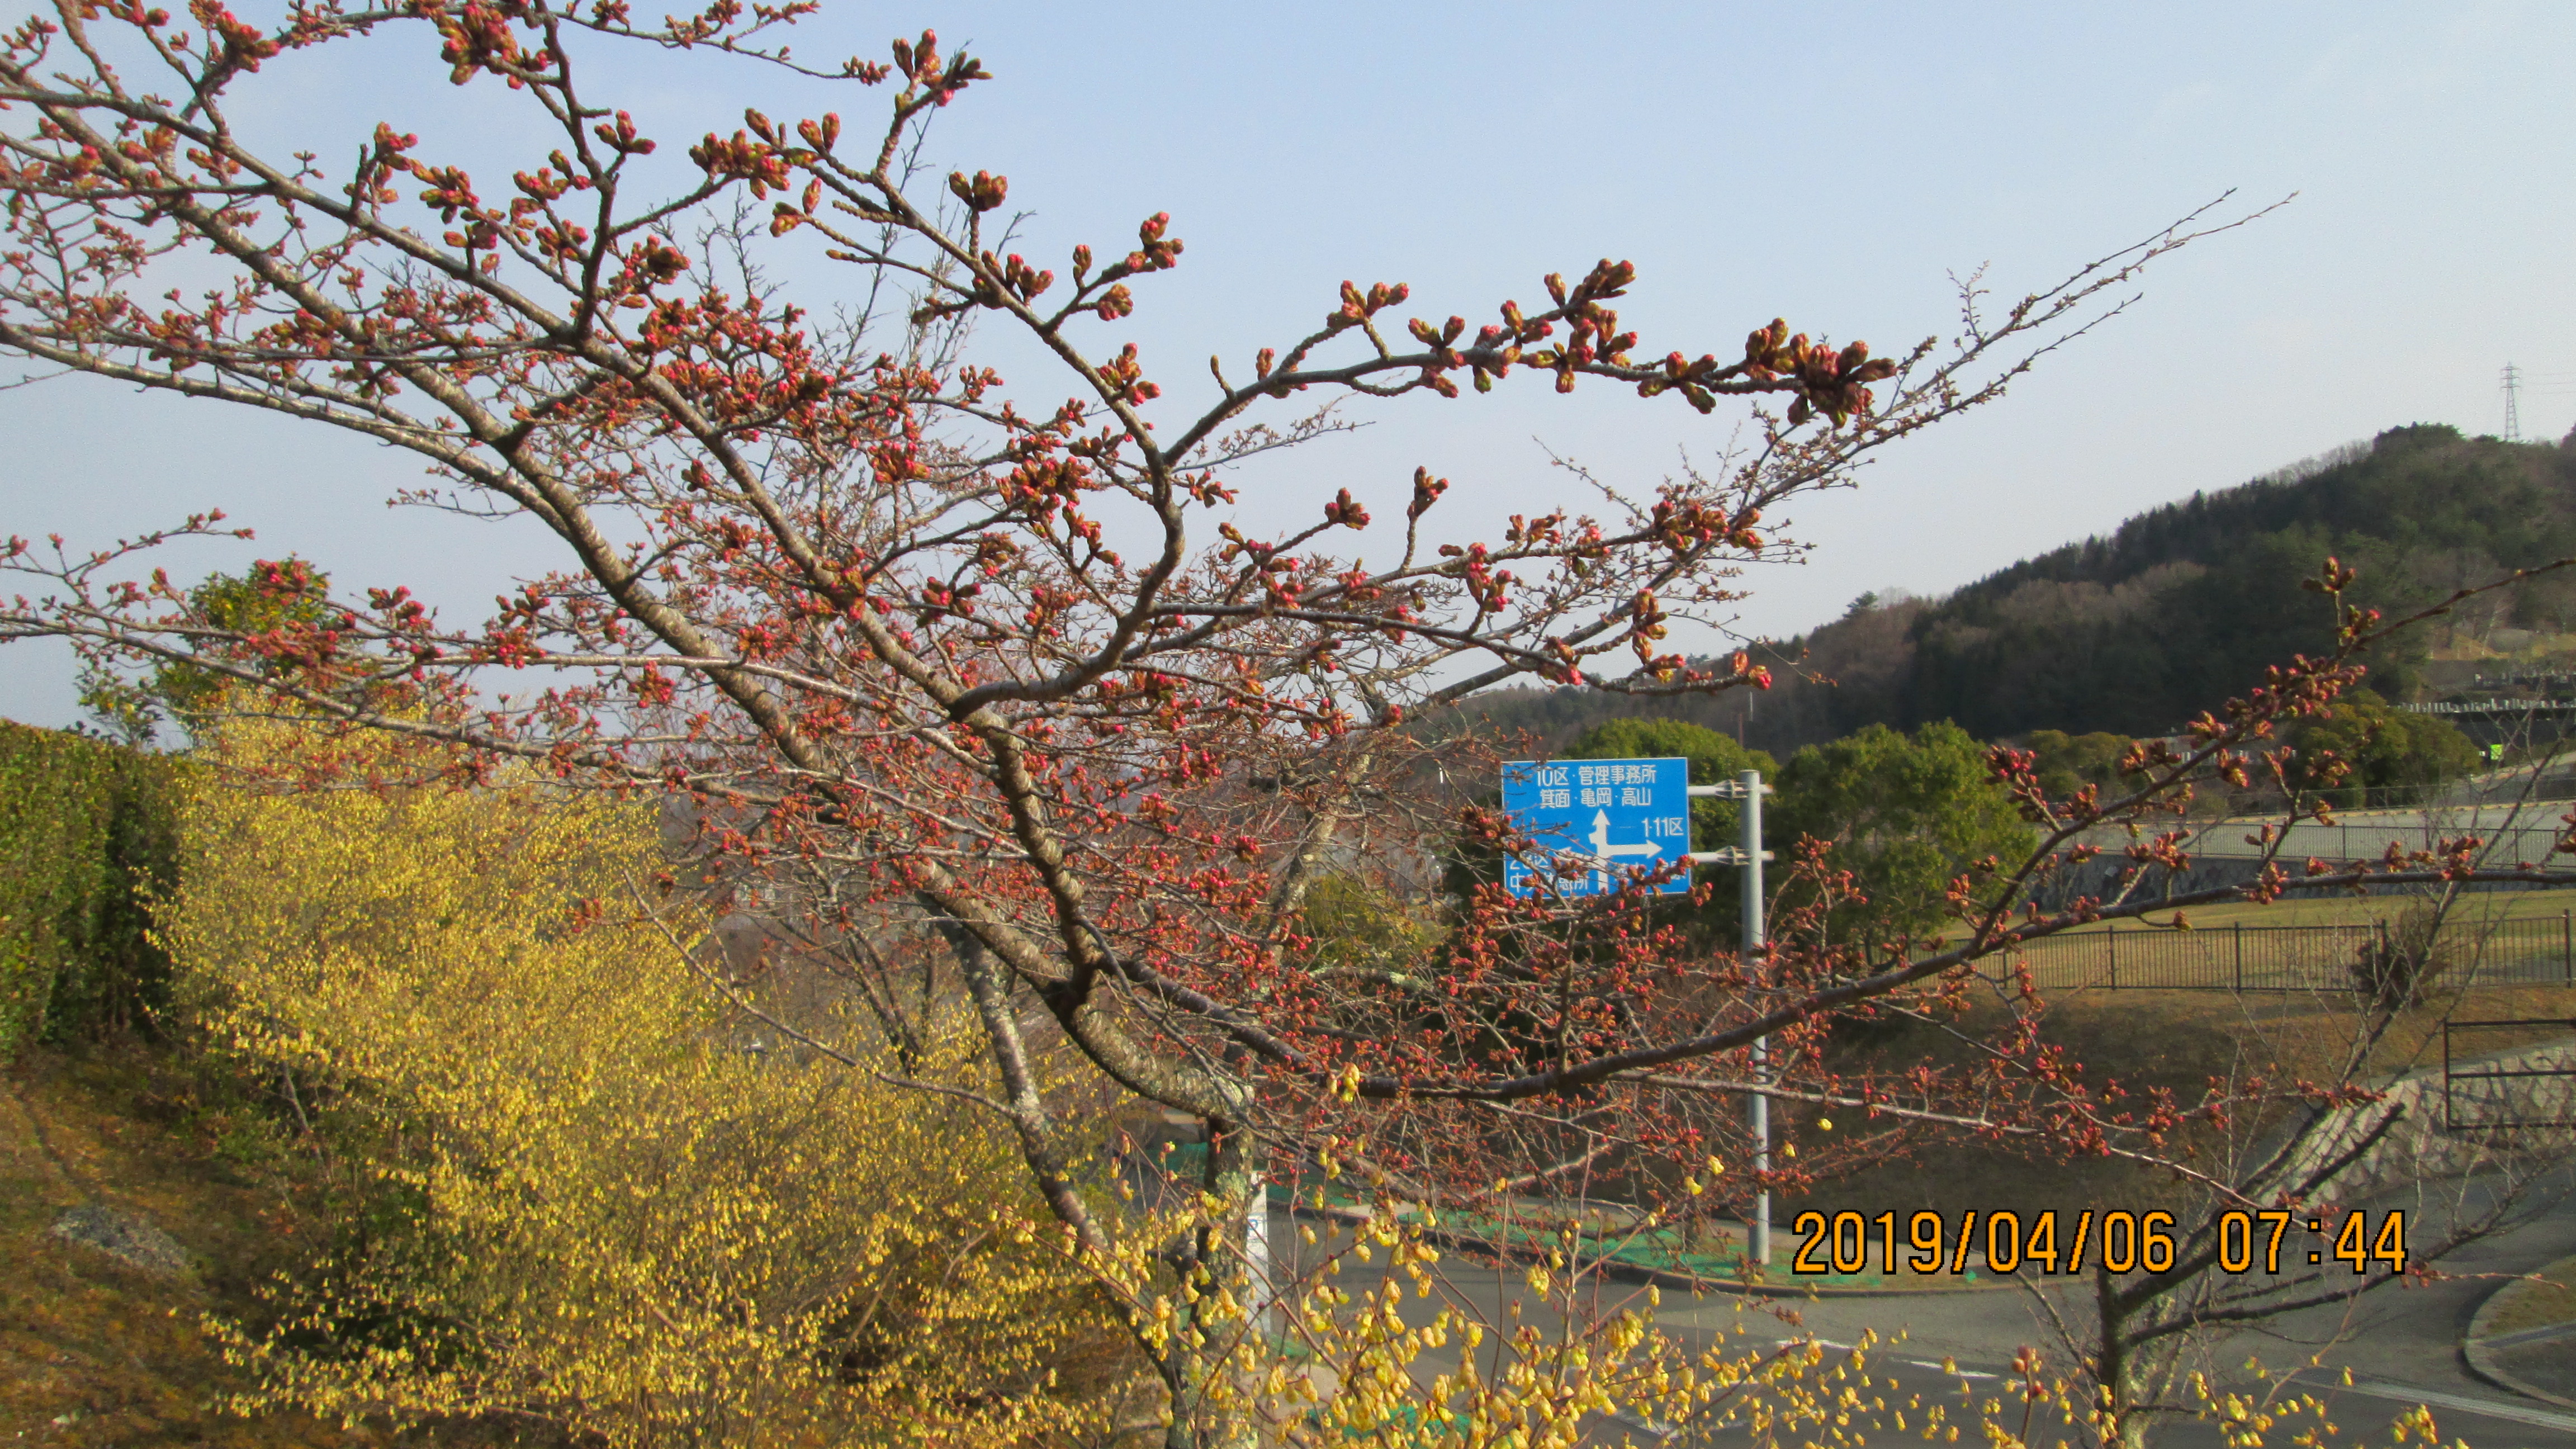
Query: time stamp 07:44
[2050, 1243]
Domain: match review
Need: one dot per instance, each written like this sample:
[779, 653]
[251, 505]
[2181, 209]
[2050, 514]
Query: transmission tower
[2512, 403]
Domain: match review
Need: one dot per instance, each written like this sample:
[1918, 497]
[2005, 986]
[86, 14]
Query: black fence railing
[2485, 1092]
[2517, 951]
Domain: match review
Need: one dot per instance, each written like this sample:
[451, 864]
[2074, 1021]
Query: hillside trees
[2138, 630]
[994, 656]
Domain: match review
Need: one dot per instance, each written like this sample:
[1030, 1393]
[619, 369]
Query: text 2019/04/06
[2119, 1241]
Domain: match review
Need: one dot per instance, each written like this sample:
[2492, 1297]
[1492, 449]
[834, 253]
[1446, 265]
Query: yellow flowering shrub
[591, 1201]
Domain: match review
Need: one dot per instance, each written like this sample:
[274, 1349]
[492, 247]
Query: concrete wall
[2425, 1142]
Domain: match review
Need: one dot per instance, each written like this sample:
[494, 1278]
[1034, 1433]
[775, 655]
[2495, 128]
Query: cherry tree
[1002, 655]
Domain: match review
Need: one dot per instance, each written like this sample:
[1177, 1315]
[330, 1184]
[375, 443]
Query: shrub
[86, 834]
[2396, 967]
[1906, 815]
[599, 1197]
[2391, 755]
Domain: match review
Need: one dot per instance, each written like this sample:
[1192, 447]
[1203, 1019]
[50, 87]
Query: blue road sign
[1612, 816]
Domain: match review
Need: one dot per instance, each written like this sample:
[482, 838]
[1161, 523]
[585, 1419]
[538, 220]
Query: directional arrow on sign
[1604, 852]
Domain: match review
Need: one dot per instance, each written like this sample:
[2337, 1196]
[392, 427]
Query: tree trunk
[2115, 1366]
[1237, 1256]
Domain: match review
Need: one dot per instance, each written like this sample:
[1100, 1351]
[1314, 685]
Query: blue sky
[1830, 164]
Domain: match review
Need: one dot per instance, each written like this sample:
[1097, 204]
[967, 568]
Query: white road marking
[1958, 1373]
[2378, 1389]
[2408, 1394]
[1916, 1362]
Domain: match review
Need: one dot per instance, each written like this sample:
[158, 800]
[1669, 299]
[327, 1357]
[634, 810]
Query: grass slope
[2177, 1040]
[93, 1352]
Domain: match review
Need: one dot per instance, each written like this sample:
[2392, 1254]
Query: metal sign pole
[1625, 812]
[1258, 1282]
[1749, 855]
[1750, 782]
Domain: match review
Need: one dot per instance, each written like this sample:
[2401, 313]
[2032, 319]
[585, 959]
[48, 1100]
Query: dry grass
[2179, 1041]
[2551, 1300]
[93, 1352]
[2347, 910]
[2488, 937]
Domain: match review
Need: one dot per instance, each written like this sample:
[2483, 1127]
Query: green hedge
[87, 832]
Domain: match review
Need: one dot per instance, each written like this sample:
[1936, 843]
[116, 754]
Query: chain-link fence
[2517, 951]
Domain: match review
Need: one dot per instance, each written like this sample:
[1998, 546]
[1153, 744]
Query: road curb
[1661, 1278]
[1627, 1272]
[2478, 1347]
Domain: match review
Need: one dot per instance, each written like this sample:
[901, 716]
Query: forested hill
[2178, 608]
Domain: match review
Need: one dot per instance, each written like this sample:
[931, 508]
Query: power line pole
[2512, 403]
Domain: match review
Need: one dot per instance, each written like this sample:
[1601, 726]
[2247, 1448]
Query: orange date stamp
[2116, 1241]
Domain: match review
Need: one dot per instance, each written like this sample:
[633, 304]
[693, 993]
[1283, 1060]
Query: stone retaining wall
[2431, 1139]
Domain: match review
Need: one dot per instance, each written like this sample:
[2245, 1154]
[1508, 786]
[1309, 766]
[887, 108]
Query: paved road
[2524, 833]
[2400, 1344]
[2499, 808]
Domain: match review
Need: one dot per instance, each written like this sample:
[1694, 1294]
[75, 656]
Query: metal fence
[2518, 951]
[2508, 1090]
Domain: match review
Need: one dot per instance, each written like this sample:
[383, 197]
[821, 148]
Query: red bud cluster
[1125, 376]
[821, 136]
[1155, 252]
[622, 137]
[928, 84]
[983, 193]
[1833, 383]
[742, 158]
[1358, 306]
[1426, 491]
[477, 38]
